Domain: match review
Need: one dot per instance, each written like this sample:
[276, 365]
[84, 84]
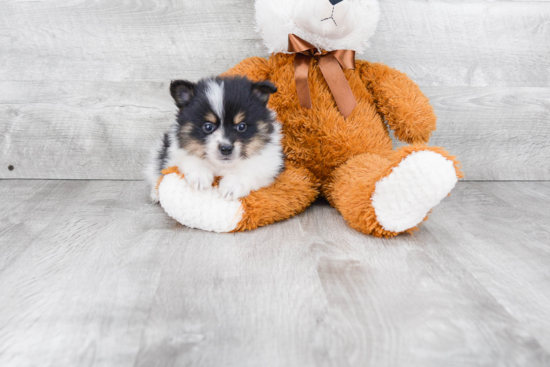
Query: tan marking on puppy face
[262, 127]
[239, 118]
[189, 144]
[210, 117]
[259, 141]
[255, 145]
[194, 148]
[186, 129]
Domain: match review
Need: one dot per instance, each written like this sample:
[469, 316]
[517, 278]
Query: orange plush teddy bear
[335, 113]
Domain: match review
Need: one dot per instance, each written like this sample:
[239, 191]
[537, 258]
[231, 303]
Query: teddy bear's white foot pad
[402, 199]
[202, 209]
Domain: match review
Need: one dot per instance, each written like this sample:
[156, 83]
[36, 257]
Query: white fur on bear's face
[348, 25]
[322, 18]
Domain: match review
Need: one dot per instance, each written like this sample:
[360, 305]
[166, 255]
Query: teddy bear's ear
[182, 91]
[263, 90]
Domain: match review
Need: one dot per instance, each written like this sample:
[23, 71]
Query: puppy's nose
[334, 2]
[226, 149]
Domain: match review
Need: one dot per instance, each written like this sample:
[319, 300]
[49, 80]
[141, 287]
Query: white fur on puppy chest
[403, 199]
[201, 209]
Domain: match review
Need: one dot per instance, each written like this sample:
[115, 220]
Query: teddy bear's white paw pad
[204, 209]
[402, 199]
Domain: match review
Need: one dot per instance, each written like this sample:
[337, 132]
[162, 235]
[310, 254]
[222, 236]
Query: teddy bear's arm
[406, 109]
[255, 68]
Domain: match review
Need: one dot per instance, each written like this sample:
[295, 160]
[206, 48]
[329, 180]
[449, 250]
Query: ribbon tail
[301, 70]
[338, 84]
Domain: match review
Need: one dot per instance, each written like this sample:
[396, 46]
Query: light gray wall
[84, 83]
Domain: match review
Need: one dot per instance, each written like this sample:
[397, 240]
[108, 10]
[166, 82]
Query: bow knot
[331, 64]
[316, 52]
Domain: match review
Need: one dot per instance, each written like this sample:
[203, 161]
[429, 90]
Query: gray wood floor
[93, 275]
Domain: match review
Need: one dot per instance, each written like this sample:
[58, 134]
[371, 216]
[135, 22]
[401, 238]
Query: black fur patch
[163, 154]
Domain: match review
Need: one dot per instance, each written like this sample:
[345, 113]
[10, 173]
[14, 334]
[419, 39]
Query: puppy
[223, 128]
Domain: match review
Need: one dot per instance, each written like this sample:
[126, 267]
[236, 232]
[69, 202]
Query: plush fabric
[356, 23]
[354, 184]
[350, 161]
[294, 190]
[187, 205]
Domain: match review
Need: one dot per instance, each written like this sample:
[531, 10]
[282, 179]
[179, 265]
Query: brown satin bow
[331, 65]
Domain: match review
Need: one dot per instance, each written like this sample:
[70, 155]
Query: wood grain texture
[93, 275]
[83, 88]
[83, 130]
[104, 130]
[439, 43]
[516, 240]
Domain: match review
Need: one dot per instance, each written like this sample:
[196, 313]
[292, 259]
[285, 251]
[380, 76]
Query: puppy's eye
[241, 127]
[208, 127]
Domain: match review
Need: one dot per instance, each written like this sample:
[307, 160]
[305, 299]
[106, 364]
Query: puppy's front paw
[232, 188]
[199, 179]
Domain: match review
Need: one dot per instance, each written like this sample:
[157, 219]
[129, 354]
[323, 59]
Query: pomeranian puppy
[223, 128]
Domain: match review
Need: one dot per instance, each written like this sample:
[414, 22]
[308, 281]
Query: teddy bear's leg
[388, 196]
[293, 191]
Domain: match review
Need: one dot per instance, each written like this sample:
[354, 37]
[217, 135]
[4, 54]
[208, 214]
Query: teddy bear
[336, 113]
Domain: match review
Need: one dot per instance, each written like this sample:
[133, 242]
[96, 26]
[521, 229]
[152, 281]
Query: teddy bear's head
[327, 24]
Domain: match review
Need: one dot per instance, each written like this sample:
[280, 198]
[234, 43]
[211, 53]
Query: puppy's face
[223, 120]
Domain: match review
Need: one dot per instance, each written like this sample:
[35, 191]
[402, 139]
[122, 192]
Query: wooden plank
[103, 130]
[506, 247]
[116, 40]
[439, 286]
[79, 292]
[26, 213]
[534, 203]
[439, 43]
[82, 130]
[497, 133]
[53, 128]
[459, 43]
[117, 283]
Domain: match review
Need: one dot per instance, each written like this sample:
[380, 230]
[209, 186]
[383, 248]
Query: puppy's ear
[263, 90]
[182, 91]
